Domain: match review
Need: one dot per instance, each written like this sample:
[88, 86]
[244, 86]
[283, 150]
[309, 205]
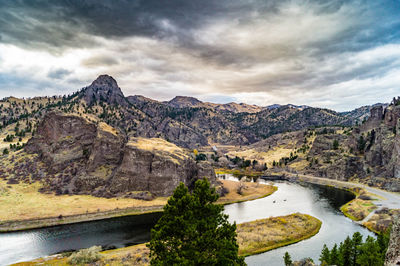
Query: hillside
[185, 121]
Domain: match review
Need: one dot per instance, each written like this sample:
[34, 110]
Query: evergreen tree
[346, 252]
[383, 241]
[370, 253]
[356, 242]
[287, 259]
[194, 231]
[325, 257]
[335, 144]
[334, 258]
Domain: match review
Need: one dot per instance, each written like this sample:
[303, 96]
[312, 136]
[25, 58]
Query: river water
[319, 201]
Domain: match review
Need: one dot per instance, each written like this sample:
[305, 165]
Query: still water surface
[319, 201]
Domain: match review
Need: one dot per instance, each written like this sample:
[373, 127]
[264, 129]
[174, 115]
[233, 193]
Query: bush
[85, 256]
[201, 157]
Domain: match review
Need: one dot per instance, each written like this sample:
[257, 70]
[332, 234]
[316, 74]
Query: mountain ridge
[185, 121]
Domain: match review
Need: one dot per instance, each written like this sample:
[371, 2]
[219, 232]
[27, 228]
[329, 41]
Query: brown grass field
[22, 203]
[266, 234]
[251, 191]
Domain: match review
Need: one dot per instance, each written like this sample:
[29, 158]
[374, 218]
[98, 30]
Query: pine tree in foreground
[194, 231]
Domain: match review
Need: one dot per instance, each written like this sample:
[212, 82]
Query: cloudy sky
[334, 54]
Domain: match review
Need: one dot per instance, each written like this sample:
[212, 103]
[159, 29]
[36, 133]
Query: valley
[96, 156]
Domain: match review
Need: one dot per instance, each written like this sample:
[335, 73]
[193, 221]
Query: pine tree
[370, 253]
[334, 258]
[194, 231]
[345, 252]
[356, 242]
[325, 257]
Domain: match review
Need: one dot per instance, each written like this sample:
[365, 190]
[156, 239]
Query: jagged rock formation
[86, 157]
[104, 89]
[393, 252]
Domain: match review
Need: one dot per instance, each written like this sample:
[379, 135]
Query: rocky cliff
[369, 153]
[85, 157]
[393, 252]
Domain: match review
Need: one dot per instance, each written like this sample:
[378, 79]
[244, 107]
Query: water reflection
[319, 201]
[111, 233]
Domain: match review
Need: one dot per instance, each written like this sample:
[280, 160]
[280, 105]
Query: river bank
[322, 202]
[44, 210]
[253, 238]
[372, 208]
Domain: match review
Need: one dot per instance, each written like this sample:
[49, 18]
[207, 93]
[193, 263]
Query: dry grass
[250, 191]
[381, 221]
[266, 234]
[158, 145]
[108, 128]
[253, 237]
[23, 202]
[274, 154]
[133, 255]
[238, 172]
[358, 209]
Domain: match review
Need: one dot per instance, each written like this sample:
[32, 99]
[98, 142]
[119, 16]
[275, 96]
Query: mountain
[185, 121]
[362, 113]
[184, 101]
[104, 89]
[90, 141]
[274, 106]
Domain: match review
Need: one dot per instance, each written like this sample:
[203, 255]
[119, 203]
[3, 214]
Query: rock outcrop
[104, 89]
[85, 157]
[393, 252]
[369, 153]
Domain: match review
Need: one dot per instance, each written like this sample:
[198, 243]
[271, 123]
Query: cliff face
[370, 152]
[393, 252]
[94, 158]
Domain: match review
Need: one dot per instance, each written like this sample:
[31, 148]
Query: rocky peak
[104, 89]
[105, 82]
[184, 101]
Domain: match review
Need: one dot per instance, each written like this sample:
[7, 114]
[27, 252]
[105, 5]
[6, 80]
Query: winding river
[319, 201]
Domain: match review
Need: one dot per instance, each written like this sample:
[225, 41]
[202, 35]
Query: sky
[332, 54]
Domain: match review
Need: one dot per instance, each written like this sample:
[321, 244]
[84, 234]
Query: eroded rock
[84, 157]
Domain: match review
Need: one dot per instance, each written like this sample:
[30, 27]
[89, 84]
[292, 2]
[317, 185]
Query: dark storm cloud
[61, 23]
[285, 48]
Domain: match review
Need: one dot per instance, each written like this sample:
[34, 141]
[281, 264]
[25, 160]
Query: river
[319, 201]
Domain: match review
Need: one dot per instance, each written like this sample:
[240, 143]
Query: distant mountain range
[185, 121]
